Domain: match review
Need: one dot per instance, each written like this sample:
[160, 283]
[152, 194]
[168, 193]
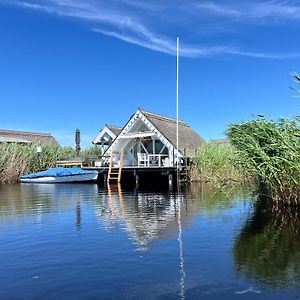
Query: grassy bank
[215, 164]
[270, 152]
[16, 160]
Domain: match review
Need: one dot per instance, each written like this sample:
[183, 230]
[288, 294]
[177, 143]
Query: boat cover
[57, 172]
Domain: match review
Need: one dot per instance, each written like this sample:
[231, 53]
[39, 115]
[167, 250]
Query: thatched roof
[114, 129]
[188, 138]
[220, 142]
[14, 136]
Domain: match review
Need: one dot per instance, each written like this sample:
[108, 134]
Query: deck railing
[153, 160]
[143, 160]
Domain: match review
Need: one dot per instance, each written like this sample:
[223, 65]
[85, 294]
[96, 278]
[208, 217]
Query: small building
[23, 137]
[149, 140]
[106, 136]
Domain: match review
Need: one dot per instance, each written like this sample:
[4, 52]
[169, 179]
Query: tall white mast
[181, 265]
[177, 109]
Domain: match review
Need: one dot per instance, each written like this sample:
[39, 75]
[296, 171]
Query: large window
[148, 144]
[159, 146]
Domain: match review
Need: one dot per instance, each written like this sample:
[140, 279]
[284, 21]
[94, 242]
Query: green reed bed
[270, 152]
[16, 159]
[215, 163]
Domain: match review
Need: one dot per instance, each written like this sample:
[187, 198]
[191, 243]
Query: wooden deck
[131, 168]
[143, 175]
[143, 172]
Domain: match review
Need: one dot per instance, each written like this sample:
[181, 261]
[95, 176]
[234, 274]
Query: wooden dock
[111, 172]
[139, 175]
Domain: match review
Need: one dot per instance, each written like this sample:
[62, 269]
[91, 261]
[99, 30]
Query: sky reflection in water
[81, 241]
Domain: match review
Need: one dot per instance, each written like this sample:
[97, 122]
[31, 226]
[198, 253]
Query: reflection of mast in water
[181, 258]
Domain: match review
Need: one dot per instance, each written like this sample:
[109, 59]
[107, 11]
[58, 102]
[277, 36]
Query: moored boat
[60, 175]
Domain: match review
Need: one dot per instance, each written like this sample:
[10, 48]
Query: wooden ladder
[112, 173]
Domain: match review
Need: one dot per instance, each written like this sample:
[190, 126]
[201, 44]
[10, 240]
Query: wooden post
[153, 145]
[120, 165]
[110, 166]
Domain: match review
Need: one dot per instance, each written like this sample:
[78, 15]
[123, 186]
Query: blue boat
[60, 175]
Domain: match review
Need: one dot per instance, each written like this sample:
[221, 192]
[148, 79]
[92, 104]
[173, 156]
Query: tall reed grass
[215, 163]
[17, 160]
[270, 152]
[94, 151]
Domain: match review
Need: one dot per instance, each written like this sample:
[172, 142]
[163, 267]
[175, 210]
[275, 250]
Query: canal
[80, 241]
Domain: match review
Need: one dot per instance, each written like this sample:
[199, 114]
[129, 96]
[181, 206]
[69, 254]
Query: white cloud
[165, 45]
[117, 19]
[249, 11]
[279, 10]
[217, 9]
[264, 55]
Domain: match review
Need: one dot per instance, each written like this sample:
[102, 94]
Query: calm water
[84, 242]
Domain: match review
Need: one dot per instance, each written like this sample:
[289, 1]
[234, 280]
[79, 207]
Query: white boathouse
[148, 140]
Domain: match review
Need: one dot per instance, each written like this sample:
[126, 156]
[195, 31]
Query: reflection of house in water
[145, 216]
[149, 216]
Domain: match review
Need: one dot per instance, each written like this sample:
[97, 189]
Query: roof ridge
[115, 126]
[167, 118]
[24, 132]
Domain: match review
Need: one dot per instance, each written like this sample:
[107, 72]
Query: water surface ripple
[81, 241]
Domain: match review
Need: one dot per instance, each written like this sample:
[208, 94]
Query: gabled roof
[107, 134]
[166, 126]
[188, 138]
[115, 129]
[14, 136]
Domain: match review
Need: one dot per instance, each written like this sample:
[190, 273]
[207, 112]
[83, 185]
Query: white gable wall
[104, 135]
[139, 123]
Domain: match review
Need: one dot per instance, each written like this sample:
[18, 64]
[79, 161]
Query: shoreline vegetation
[215, 164]
[269, 151]
[17, 160]
[261, 152]
[264, 152]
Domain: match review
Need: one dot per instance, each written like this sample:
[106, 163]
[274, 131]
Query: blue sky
[68, 64]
